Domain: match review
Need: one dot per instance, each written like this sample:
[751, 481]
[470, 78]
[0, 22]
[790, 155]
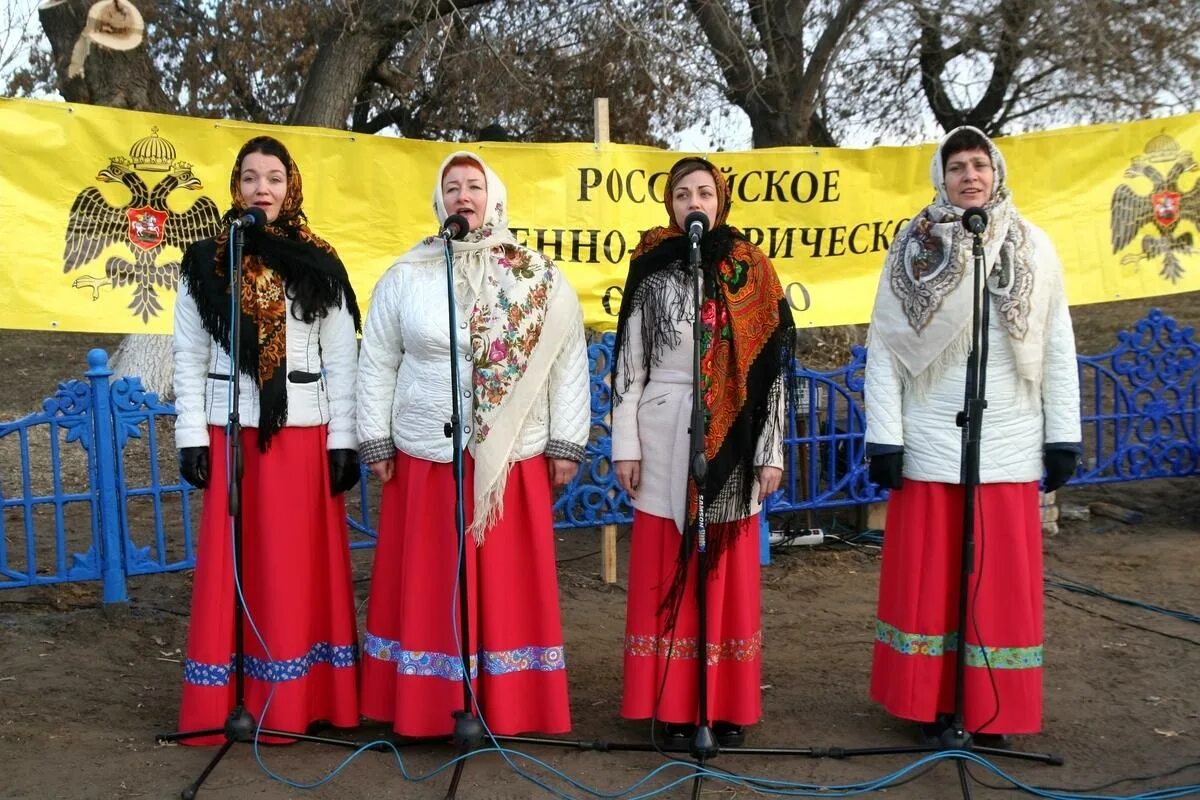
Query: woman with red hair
[526, 419]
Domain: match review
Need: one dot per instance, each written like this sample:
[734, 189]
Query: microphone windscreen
[456, 225]
[975, 220]
[260, 216]
[694, 218]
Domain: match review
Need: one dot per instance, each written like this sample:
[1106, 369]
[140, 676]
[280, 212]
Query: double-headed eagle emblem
[145, 223]
[1165, 206]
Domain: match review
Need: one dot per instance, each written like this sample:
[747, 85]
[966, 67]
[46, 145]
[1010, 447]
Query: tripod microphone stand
[970, 419]
[468, 729]
[240, 725]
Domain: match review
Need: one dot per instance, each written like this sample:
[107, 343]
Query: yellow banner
[96, 205]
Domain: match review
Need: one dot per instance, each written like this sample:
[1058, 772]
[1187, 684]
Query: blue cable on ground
[1062, 582]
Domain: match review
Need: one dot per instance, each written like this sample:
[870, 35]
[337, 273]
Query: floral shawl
[747, 343]
[520, 311]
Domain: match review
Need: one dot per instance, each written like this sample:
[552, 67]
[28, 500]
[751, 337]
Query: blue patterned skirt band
[337, 656]
[449, 666]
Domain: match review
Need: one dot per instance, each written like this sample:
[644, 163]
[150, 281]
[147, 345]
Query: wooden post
[600, 113]
[608, 533]
[608, 553]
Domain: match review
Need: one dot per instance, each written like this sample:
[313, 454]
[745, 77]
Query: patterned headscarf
[283, 259]
[923, 307]
[747, 340]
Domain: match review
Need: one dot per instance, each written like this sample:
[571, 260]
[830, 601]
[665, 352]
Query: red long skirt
[661, 664]
[917, 618]
[412, 657]
[297, 588]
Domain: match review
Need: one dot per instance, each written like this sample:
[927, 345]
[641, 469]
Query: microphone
[252, 217]
[455, 227]
[975, 220]
[696, 225]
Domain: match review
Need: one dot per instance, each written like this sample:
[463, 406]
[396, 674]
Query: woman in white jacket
[915, 380]
[747, 336]
[526, 419]
[297, 364]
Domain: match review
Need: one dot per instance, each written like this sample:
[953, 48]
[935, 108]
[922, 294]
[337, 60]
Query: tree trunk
[341, 67]
[115, 78]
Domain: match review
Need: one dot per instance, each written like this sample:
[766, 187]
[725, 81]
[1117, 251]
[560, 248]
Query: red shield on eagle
[146, 227]
[1166, 208]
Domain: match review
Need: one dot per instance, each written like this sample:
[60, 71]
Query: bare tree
[775, 58]
[1007, 66]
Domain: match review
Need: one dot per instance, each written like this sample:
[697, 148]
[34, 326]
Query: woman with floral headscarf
[297, 359]
[747, 337]
[915, 381]
[526, 418]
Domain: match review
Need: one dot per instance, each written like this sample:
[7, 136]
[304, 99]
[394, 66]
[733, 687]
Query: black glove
[343, 471]
[887, 470]
[1060, 467]
[193, 465]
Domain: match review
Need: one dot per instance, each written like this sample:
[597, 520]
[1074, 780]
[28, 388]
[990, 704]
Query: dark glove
[1060, 467]
[193, 465]
[887, 470]
[343, 471]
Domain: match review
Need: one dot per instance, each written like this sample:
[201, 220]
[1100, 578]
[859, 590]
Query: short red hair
[461, 161]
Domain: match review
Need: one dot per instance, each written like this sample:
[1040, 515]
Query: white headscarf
[520, 308]
[923, 306]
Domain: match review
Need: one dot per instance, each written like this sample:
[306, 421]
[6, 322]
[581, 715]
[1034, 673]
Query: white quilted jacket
[1014, 433]
[321, 363]
[404, 374]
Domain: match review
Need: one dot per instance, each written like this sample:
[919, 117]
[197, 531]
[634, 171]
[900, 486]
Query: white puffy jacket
[404, 376]
[321, 363]
[1014, 432]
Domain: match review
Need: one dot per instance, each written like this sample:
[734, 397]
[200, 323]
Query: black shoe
[930, 733]
[680, 731]
[728, 734]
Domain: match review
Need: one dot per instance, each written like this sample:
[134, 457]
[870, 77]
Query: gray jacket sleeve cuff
[376, 450]
[557, 448]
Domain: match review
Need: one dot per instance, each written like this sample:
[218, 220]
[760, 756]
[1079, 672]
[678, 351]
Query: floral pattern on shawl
[505, 331]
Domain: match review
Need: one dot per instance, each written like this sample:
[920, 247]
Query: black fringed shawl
[283, 261]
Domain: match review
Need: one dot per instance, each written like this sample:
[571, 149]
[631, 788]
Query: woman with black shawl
[297, 359]
[747, 338]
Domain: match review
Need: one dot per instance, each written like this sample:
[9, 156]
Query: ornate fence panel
[1141, 404]
[824, 447]
[89, 489]
[593, 497]
[160, 513]
[51, 521]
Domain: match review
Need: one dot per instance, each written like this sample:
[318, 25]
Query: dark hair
[962, 140]
[684, 167]
[267, 145]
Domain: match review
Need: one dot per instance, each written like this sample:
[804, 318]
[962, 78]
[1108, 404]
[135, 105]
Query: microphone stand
[704, 743]
[240, 725]
[970, 419]
[468, 729]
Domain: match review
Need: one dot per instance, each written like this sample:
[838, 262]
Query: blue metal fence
[99, 499]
